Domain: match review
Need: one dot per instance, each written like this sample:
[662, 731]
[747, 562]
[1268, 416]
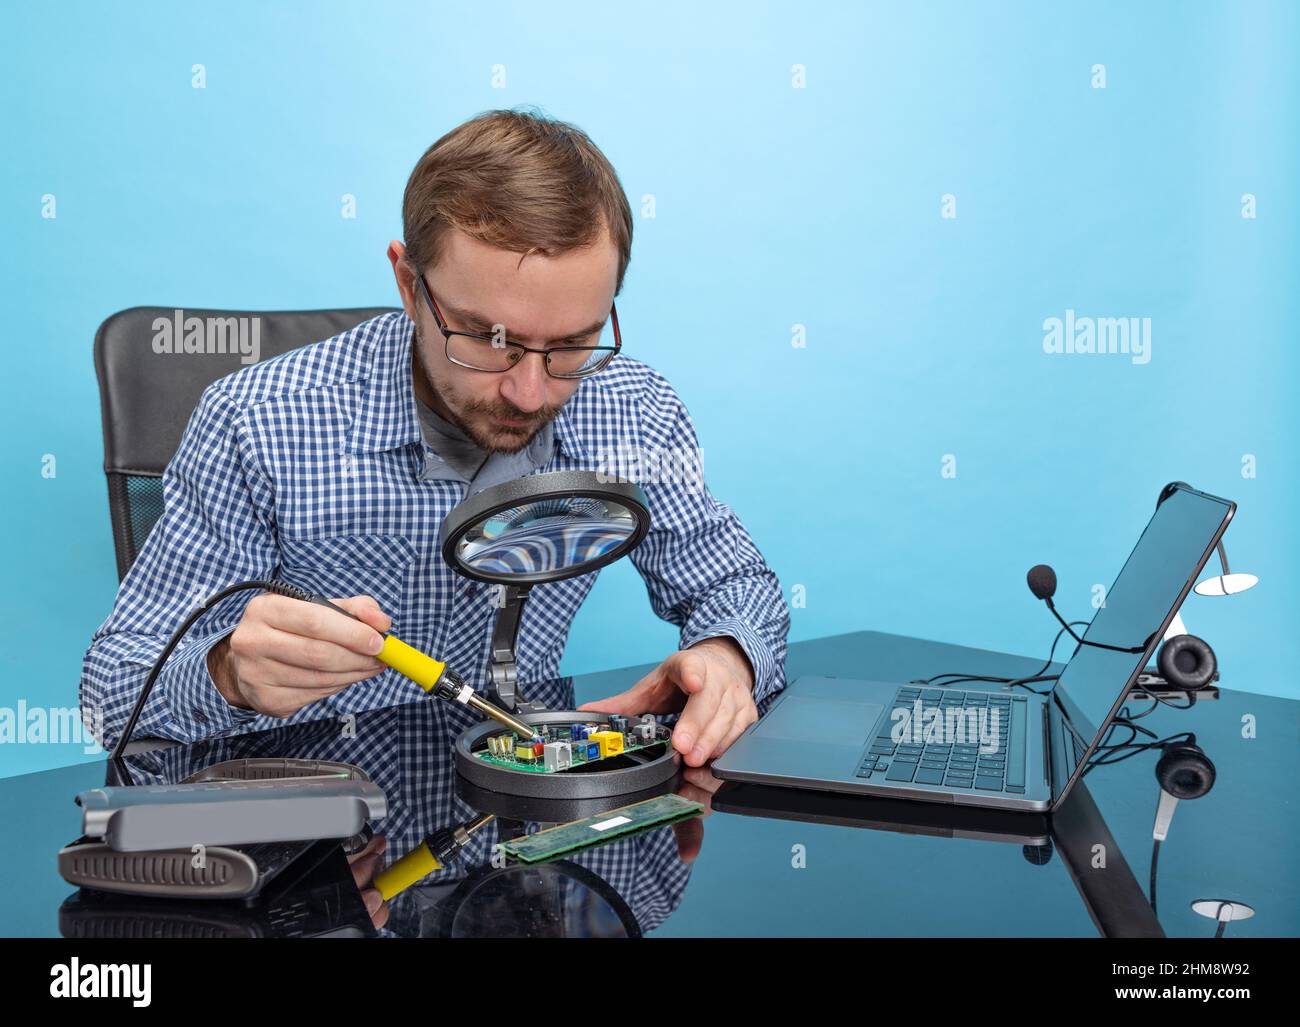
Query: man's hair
[518, 180]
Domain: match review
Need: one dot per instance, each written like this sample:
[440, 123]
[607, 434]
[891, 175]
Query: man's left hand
[711, 683]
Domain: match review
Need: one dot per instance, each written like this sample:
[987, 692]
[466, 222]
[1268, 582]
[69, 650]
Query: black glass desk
[762, 862]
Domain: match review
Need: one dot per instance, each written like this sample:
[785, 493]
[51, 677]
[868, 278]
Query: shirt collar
[386, 417]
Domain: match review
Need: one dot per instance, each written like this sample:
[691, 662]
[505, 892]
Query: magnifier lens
[546, 535]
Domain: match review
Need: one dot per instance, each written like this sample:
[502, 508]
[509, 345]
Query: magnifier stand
[505, 635]
[525, 532]
[612, 776]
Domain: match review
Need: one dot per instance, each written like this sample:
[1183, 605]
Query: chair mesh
[135, 502]
[145, 498]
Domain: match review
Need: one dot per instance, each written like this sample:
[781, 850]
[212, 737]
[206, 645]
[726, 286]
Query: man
[332, 466]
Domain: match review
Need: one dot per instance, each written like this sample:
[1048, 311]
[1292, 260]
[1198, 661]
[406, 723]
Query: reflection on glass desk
[762, 861]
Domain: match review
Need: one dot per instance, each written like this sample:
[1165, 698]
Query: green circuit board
[564, 839]
[580, 751]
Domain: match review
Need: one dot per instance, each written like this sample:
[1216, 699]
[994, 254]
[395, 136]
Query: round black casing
[626, 774]
[533, 488]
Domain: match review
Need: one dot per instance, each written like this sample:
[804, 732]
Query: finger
[690, 839]
[377, 844]
[636, 700]
[629, 702]
[316, 654]
[693, 793]
[312, 653]
[364, 870]
[700, 709]
[702, 779]
[284, 701]
[312, 620]
[715, 728]
[368, 609]
[268, 672]
[743, 718]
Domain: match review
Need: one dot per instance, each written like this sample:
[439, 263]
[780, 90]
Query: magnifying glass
[536, 529]
[526, 532]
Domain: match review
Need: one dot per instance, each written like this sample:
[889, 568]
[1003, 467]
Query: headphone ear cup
[1185, 772]
[1187, 662]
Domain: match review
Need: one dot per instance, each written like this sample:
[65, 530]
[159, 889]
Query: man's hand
[697, 784]
[713, 679]
[286, 653]
[365, 864]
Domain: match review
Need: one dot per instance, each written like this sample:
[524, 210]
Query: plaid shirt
[311, 467]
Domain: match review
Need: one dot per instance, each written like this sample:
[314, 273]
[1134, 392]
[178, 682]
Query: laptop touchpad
[823, 721]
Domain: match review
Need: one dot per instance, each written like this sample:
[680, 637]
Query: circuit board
[560, 747]
[591, 831]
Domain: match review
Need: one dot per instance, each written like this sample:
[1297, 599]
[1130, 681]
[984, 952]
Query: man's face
[537, 300]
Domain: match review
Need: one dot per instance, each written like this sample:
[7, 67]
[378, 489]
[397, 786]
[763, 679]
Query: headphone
[1187, 662]
[1184, 772]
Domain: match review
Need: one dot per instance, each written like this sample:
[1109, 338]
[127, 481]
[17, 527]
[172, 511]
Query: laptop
[1007, 748]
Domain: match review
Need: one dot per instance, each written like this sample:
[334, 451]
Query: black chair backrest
[151, 378]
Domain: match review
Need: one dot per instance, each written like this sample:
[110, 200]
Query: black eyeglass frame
[448, 332]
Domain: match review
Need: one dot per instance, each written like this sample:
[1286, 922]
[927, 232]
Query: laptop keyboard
[993, 761]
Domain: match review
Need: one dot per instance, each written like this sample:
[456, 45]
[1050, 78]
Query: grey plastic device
[144, 818]
[525, 532]
[218, 872]
[277, 768]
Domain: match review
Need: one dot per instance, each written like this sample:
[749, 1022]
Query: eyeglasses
[495, 354]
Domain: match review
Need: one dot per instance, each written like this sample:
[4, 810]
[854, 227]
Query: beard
[477, 418]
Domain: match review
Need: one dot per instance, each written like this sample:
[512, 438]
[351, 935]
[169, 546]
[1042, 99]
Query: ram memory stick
[591, 831]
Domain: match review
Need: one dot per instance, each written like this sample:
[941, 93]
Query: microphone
[1042, 582]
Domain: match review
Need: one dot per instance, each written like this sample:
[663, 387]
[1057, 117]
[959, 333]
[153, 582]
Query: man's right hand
[286, 653]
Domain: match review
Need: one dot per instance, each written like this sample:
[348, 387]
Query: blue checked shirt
[311, 467]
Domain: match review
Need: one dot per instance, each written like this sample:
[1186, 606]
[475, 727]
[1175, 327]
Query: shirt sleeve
[215, 530]
[702, 570]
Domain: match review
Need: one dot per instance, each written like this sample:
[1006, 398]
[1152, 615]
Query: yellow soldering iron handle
[424, 670]
[414, 866]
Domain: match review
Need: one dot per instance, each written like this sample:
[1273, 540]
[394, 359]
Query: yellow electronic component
[424, 670]
[610, 742]
[524, 750]
[414, 866]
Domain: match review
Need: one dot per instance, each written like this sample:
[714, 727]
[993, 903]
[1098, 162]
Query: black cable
[278, 587]
[1038, 675]
[1145, 713]
[1161, 701]
[1135, 749]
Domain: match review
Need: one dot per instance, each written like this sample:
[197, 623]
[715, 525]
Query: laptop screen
[1138, 609]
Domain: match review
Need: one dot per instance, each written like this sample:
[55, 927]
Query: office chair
[147, 398]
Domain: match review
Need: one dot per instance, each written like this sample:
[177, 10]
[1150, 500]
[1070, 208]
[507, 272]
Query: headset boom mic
[1042, 581]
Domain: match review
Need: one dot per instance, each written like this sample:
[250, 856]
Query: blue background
[775, 206]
